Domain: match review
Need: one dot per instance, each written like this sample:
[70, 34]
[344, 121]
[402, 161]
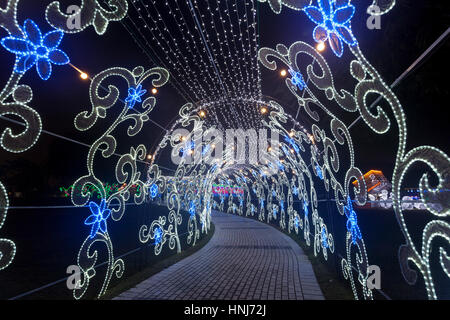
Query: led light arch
[275, 192]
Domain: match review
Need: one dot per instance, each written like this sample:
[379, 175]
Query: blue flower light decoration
[135, 95]
[295, 190]
[192, 209]
[154, 190]
[98, 217]
[324, 238]
[205, 149]
[319, 172]
[305, 208]
[282, 205]
[280, 166]
[262, 202]
[296, 222]
[297, 79]
[189, 146]
[292, 143]
[333, 23]
[158, 235]
[352, 221]
[275, 211]
[35, 49]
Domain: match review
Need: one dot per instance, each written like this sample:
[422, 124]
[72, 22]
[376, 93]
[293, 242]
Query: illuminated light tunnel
[129, 125]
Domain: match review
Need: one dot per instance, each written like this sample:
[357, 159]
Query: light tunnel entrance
[280, 111]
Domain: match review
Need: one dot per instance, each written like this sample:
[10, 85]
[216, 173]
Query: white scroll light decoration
[112, 207]
[191, 178]
[90, 13]
[40, 51]
[384, 5]
[7, 247]
[368, 82]
[269, 181]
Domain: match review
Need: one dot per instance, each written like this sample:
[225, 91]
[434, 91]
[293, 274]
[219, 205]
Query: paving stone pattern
[244, 260]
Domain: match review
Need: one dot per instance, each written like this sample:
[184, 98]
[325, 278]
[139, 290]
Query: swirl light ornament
[7, 247]
[284, 188]
[126, 169]
[32, 49]
[368, 82]
[90, 12]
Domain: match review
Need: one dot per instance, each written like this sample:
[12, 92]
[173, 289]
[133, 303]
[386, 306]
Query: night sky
[406, 32]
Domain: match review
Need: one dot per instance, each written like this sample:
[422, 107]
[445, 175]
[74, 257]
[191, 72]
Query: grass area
[333, 288]
[137, 278]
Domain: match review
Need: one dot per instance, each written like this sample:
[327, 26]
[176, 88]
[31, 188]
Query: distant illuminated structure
[226, 190]
[376, 182]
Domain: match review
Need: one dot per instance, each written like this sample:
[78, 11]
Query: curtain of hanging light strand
[210, 49]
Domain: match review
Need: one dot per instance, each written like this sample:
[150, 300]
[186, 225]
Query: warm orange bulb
[311, 137]
[154, 91]
[84, 76]
[202, 113]
[320, 46]
[149, 157]
[263, 110]
[269, 149]
[291, 134]
[283, 73]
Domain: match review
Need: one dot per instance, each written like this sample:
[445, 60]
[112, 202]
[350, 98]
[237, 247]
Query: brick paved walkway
[245, 259]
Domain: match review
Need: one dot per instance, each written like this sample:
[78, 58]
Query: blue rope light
[333, 23]
[35, 49]
[192, 208]
[297, 79]
[98, 217]
[296, 222]
[324, 238]
[292, 143]
[135, 95]
[154, 190]
[158, 235]
[319, 172]
[305, 208]
[352, 221]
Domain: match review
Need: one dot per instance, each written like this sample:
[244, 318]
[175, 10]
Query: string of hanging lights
[210, 49]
